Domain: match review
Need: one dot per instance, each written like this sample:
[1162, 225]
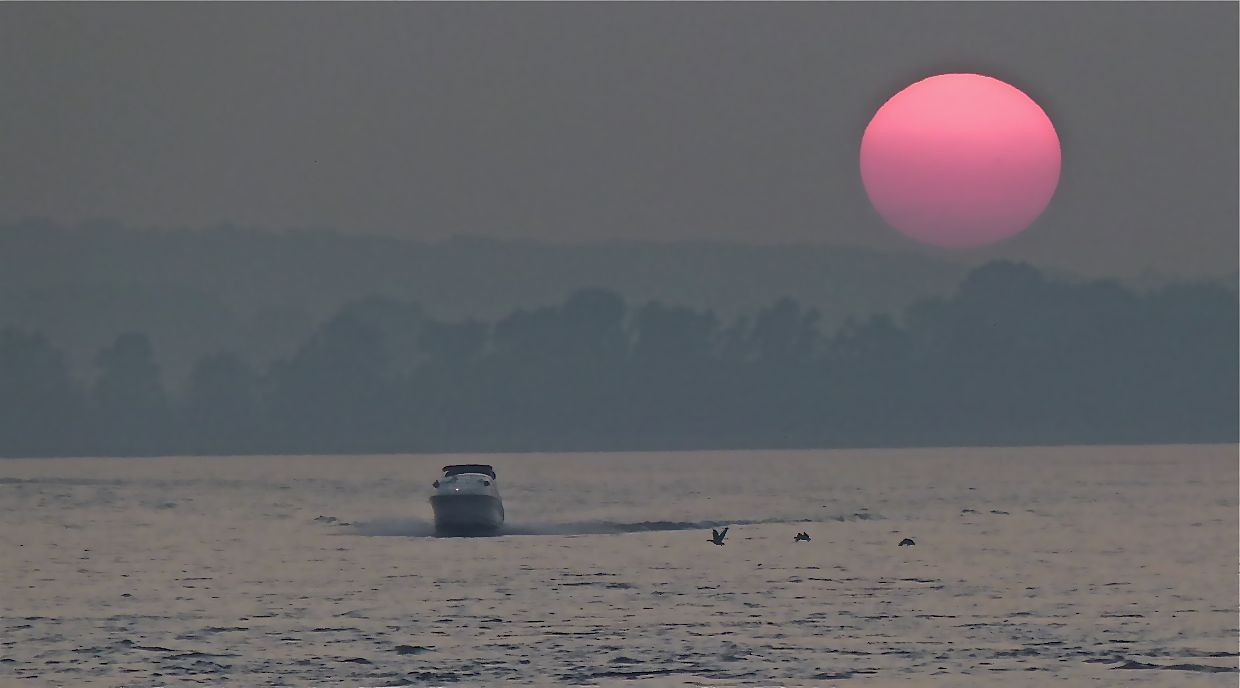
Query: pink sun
[960, 160]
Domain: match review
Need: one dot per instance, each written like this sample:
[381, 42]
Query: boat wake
[415, 527]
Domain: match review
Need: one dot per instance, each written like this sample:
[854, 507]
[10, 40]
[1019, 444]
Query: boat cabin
[469, 468]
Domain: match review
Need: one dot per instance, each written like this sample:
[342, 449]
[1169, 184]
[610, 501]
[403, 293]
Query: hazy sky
[586, 121]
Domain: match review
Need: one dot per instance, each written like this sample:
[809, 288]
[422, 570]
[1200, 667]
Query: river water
[1032, 566]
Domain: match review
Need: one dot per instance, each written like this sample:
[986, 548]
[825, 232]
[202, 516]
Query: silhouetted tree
[399, 325]
[735, 341]
[780, 388]
[223, 412]
[1010, 358]
[785, 334]
[452, 344]
[336, 391]
[132, 414]
[1190, 362]
[558, 367]
[40, 407]
[673, 335]
[676, 378]
[446, 401]
[593, 324]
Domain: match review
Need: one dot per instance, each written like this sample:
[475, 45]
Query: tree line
[1011, 358]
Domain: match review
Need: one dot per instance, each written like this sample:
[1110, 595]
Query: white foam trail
[414, 527]
[400, 527]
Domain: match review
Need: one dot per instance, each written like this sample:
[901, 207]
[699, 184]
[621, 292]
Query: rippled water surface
[1075, 566]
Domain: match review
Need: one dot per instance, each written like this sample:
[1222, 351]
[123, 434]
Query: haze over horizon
[650, 279]
[584, 123]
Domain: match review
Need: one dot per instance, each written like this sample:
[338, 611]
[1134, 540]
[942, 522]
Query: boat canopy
[469, 468]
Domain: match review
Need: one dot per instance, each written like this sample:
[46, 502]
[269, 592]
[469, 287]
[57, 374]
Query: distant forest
[261, 293]
[1010, 357]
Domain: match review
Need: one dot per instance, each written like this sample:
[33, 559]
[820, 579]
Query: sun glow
[960, 160]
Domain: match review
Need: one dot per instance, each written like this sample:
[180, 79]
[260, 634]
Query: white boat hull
[466, 501]
[465, 515]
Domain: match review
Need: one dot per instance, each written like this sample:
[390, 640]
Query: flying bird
[907, 542]
[801, 537]
[716, 536]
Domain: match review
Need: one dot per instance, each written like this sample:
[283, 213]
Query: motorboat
[466, 501]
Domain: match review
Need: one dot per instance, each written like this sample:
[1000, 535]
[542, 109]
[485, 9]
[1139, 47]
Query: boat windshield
[484, 469]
